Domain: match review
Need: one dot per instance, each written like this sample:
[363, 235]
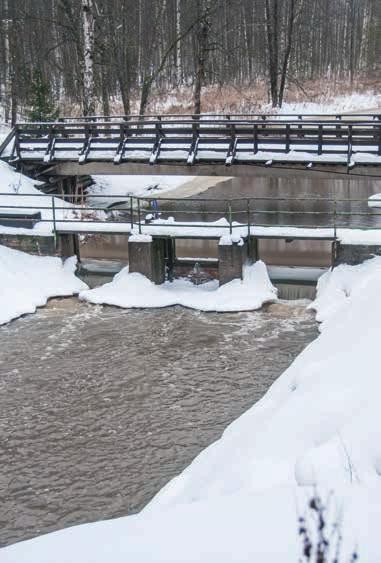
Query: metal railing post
[349, 153]
[132, 212]
[139, 217]
[248, 229]
[54, 216]
[230, 219]
[334, 219]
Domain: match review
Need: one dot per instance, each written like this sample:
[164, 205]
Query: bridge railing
[278, 217]
[188, 140]
[224, 116]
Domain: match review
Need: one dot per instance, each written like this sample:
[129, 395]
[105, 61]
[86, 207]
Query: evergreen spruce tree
[41, 105]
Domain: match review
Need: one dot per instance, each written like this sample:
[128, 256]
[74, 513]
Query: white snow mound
[132, 290]
[27, 282]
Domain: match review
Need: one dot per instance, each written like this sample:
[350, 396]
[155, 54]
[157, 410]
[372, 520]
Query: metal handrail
[138, 220]
[186, 199]
[225, 115]
[192, 122]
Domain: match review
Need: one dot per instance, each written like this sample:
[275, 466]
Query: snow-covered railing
[187, 140]
[259, 217]
[227, 116]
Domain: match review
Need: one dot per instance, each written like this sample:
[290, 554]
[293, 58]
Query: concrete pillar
[253, 249]
[147, 257]
[232, 255]
[68, 245]
[355, 253]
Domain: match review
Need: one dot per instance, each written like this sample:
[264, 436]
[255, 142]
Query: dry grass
[237, 98]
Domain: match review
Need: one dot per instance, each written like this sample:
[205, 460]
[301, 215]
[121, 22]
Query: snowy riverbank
[317, 426]
[27, 282]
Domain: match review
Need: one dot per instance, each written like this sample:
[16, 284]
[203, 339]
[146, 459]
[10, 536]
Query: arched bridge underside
[239, 145]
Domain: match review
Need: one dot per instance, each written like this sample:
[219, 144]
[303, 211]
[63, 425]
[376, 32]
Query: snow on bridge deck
[198, 140]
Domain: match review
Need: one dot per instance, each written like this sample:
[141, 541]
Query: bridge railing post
[320, 139]
[255, 138]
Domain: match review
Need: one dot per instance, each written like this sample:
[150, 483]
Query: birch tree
[6, 86]
[178, 44]
[88, 27]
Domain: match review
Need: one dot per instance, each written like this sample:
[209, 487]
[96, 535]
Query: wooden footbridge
[223, 145]
[65, 151]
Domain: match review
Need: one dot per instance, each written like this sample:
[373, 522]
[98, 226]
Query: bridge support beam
[354, 254]
[231, 258]
[147, 256]
[68, 245]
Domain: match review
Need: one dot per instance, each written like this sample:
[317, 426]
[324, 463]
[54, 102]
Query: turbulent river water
[100, 407]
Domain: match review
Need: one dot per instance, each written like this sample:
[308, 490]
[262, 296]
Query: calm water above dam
[100, 407]
[294, 201]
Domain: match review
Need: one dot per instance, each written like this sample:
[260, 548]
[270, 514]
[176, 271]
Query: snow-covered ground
[349, 103]
[27, 282]
[27, 200]
[4, 130]
[132, 290]
[125, 186]
[316, 430]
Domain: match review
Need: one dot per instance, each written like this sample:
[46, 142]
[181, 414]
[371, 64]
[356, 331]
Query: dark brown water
[100, 407]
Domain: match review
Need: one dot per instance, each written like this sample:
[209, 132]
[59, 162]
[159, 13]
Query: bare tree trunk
[125, 94]
[201, 51]
[178, 45]
[140, 41]
[271, 17]
[287, 52]
[144, 96]
[7, 60]
[88, 25]
[105, 93]
[14, 99]
[351, 41]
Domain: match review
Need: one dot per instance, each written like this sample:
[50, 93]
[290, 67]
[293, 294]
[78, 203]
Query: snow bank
[4, 131]
[132, 290]
[30, 200]
[126, 186]
[350, 103]
[342, 289]
[318, 425]
[27, 282]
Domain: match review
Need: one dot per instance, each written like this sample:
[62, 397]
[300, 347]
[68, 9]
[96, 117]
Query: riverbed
[101, 406]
